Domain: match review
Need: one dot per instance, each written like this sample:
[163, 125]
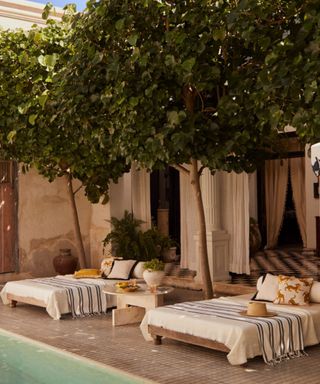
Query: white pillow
[268, 289]
[315, 292]
[260, 281]
[122, 269]
[138, 270]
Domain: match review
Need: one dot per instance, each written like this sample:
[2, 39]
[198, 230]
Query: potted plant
[127, 240]
[154, 272]
[168, 249]
[164, 245]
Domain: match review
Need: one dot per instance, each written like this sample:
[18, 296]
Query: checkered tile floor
[288, 262]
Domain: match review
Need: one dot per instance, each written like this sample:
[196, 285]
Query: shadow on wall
[39, 261]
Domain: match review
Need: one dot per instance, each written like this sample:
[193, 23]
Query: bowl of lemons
[126, 286]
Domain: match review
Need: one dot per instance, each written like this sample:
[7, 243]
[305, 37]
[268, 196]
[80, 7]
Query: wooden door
[7, 217]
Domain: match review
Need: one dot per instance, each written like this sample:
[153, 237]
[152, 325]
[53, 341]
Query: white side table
[132, 306]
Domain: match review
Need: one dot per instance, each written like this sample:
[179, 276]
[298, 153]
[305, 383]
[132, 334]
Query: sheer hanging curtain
[297, 174]
[276, 180]
[140, 196]
[236, 220]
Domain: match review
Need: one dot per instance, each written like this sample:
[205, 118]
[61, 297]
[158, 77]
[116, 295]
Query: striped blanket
[84, 298]
[280, 337]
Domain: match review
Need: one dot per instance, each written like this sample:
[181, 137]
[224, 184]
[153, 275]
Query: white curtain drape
[276, 182]
[140, 196]
[188, 223]
[236, 220]
[297, 174]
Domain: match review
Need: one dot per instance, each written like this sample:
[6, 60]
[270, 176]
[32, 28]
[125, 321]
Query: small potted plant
[154, 272]
[164, 245]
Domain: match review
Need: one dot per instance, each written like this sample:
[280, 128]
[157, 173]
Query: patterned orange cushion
[293, 290]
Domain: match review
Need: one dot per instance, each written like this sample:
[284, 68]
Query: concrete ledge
[182, 282]
[225, 288]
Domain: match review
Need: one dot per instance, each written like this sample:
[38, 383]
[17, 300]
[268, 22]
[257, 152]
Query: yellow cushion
[293, 290]
[87, 273]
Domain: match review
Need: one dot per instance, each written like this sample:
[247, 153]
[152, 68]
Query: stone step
[174, 269]
[182, 282]
[221, 288]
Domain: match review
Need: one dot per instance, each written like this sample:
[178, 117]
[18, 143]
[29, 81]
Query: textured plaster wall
[45, 222]
[120, 196]
[100, 226]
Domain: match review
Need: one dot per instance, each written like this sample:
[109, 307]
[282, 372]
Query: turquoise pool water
[23, 361]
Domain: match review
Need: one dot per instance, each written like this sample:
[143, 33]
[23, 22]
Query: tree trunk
[77, 232]
[203, 249]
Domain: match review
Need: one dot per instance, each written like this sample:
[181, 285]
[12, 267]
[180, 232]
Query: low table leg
[13, 303]
[157, 340]
[129, 315]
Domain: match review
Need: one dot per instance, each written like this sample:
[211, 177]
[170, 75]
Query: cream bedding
[55, 298]
[240, 337]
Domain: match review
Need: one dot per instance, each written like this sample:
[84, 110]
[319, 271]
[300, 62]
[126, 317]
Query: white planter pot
[153, 278]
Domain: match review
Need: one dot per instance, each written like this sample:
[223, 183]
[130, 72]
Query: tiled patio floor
[170, 363]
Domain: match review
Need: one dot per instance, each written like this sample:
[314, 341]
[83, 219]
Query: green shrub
[130, 242]
[154, 265]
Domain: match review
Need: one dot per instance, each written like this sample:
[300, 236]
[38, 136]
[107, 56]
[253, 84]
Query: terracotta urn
[65, 263]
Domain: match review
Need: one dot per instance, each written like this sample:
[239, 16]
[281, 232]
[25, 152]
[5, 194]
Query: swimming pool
[24, 361]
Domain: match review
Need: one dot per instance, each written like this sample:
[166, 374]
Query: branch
[209, 110]
[218, 93]
[181, 169]
[200, 170]
[78, 189]
[201, 98]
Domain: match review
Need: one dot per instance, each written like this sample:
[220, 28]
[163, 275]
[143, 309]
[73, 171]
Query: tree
[31, 131]
[204, 83]
[287, 35]
[169, 82]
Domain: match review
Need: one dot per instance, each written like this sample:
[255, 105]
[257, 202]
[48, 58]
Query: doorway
[8, 215]
[289, 236]
[289, 233]
[165, 201]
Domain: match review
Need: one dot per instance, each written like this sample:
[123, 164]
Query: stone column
[217, 238]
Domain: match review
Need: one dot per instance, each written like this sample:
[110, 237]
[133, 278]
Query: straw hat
[256, 309]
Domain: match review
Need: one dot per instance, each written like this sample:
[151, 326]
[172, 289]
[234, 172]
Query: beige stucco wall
[45, 225]
[100, 226]
[120, 195]
[45, 222]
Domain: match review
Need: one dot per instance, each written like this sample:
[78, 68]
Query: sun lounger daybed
[65, 293]
[224, 328]
[61, 295]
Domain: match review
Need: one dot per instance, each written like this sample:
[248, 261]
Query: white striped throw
[280, 337]
[84, 298]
